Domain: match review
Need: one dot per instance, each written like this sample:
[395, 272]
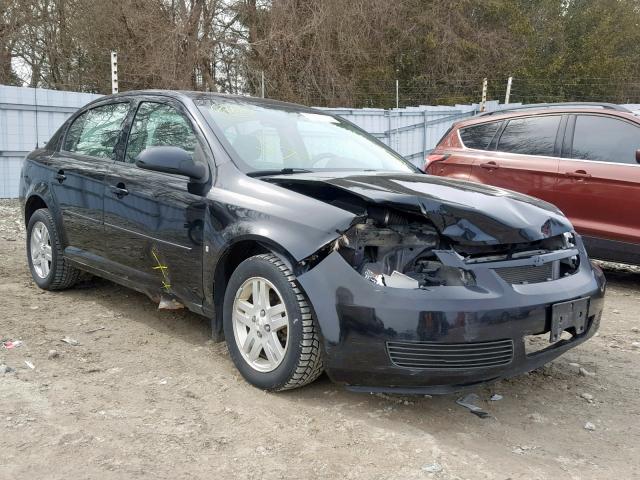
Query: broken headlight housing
[399, 254]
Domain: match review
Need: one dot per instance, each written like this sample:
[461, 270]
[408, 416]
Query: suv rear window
[479, 136]
[530, 135]
[605, 139]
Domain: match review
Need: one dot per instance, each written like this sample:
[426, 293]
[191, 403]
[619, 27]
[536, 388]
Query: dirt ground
[146, 395]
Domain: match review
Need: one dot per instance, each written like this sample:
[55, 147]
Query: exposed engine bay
[400, 244]
[399, 250]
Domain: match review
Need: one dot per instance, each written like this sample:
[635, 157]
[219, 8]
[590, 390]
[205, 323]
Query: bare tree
[329, 52]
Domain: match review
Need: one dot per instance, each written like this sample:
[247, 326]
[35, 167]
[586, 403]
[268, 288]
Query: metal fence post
[508, 94]
[389, 132]
[483, 103]
[424, 136]
[114, 71]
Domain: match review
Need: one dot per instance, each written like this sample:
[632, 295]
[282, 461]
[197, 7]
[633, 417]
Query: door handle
[580, 174]
[60, 176]
[119, 190]
[489, 165]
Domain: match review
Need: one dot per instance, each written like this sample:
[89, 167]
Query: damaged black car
[309, 244]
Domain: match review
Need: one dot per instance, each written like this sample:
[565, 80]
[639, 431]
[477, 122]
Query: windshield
[270, 139]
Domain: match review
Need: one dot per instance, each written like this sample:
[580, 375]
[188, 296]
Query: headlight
[569, 239]
[424, 274]
[400, 256]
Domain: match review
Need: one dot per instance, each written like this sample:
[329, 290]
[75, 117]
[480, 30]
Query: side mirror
[171, 160]
[637, 156]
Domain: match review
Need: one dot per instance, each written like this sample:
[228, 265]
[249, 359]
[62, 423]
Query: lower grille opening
[450, 356]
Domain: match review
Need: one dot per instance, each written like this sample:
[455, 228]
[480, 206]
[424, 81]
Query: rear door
[80, 167]
[523, 156]
[154, 220]
[599, 186]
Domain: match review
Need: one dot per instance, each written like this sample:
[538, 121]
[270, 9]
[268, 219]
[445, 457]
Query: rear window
[479, 136]
[95, 132]
[530, 136]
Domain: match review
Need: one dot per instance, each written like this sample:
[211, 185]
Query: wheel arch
[33, 203]
[40, 195]
[233, 255]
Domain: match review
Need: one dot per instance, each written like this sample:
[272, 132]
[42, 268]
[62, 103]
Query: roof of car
[533, 106]
[196, 95]
[549, 109]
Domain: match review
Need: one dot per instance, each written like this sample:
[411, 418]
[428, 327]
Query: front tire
[49, 269]
[269, 326]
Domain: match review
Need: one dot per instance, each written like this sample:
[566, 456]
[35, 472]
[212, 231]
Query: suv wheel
[269, 326]
[49, 268]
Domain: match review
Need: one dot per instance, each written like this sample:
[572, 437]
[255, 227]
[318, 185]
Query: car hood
[465, 212]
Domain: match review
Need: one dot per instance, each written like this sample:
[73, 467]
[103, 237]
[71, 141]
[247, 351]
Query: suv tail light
[433, 158]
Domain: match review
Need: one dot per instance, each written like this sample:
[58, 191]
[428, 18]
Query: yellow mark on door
[163, 270]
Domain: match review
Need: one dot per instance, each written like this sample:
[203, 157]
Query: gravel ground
[145, 394]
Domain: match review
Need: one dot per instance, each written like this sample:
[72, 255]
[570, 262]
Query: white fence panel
[21, 129]
[411, 131]
[10, 175]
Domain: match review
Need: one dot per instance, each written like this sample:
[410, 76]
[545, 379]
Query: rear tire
[271, 334]
[49, 269]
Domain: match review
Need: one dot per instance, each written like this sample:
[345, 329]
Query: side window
[530, 136]
[479, 136]
[96, 131]
[158, 124]
[605, 139]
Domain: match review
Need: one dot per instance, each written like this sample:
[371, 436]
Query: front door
[153, 220]
[524, 159]
[79, 170]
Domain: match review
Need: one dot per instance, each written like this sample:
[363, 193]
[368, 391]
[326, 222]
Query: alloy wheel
[40, 247]
[260, 324]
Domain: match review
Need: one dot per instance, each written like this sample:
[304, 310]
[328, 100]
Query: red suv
[584, 158]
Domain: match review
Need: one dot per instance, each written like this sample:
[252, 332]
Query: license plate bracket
[568, 314]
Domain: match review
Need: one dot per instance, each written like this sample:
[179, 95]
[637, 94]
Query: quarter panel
[35, 180]
[458, 165]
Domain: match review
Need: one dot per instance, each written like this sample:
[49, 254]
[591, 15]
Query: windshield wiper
[282, 171]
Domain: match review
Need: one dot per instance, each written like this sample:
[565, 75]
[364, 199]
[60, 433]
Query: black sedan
[310, 245]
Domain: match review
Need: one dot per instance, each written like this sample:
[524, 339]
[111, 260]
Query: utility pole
[508, 94]
[262, 83]
[114, 71]
[483, 103]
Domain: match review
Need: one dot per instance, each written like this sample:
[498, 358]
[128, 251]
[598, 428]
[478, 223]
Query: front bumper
[358, 318]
